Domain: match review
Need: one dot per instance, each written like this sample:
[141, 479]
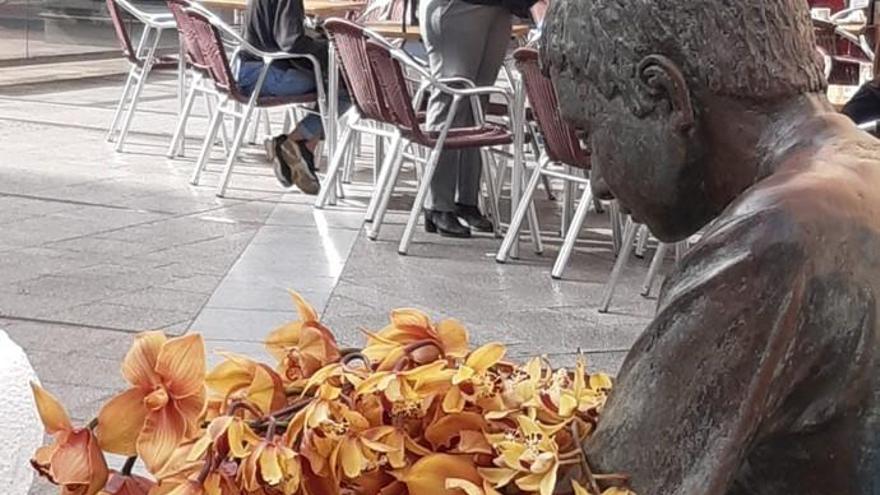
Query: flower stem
[93, 424]
[129, 465]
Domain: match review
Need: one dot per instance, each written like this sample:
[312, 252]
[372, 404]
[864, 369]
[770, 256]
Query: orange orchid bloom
[431, 473]
[240, 378]
[74, 461]
[163, 407]
[121, 484]
[304, 346]
[411, 334]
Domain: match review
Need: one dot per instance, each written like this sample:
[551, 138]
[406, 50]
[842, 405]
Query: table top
[394, 29]
[323, 8]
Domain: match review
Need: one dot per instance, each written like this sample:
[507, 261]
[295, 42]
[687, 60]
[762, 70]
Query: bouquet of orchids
[415, 412]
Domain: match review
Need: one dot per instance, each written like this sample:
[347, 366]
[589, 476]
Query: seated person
[279, 25]
[760, 373]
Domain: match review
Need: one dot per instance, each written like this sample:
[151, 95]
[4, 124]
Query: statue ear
[662, 79]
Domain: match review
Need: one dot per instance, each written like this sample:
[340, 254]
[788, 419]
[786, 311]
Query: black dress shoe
[446, 223]
[472, 216]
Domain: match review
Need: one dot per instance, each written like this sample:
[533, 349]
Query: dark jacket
[278, 26]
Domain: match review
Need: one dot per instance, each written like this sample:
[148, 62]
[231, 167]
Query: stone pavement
[97, 245]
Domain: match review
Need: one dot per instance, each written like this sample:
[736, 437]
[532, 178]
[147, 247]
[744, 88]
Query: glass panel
[13, 29]
[47, 28]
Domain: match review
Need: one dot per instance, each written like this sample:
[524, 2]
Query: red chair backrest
[393, 90]
[121, 32]
[187, 34]
[351, 48]
[560, 140]
[210, 43]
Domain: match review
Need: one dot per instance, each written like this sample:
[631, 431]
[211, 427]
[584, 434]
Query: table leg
[516, 175]
[332, 119]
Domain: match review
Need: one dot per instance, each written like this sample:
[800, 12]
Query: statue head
[675, 93]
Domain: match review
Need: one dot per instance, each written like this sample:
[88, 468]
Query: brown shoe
[289, 153]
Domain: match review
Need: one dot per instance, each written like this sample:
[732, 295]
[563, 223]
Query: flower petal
[468, 487]
[139, 365]
[453, 402]
[351, 458]
[486, 356]
[181, 363]
[431, 472]
[52, 413]
[306, 312]
[440, 433]
[163, 431]
[454, 338]
[270, 468]
[120, 422]
[70, 462]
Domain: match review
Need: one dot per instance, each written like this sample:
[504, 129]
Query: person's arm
[707, 373]
[291, 35]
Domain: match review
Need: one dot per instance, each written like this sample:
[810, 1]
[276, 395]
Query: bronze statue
[761, 371]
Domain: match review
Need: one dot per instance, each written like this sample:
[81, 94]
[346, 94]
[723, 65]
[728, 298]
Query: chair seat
[467, 137]
[164, 62]
[280, 101]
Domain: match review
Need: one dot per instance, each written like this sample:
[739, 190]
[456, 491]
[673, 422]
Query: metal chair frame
[230, 106]
[414, 136]
[142, 59]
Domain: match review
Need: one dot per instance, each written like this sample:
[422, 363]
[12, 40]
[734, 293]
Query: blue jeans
[288, 81]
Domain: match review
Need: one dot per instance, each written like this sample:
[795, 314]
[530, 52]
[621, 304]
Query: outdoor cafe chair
[199, 73]
[561, 146]
[368, 112]
[387, 65]
[143, 59]
[210, 31]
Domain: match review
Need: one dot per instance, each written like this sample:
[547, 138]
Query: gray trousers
[462, 40]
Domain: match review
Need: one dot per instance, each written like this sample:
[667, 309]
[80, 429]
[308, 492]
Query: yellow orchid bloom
[240, 378]
[73, 461]
[163, 407]
[304, 346]
[272, 466]
[410, 392]
[473, 383]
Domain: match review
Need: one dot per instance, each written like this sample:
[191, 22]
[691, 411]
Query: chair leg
[384, 194]
[421, 194]
[616, 232]
[384, 175]
[642, 241]
[629, 237]
[522, 209]
[255, 128]
[535, 227]
[207, 144]
[181, 124]
[237, 141]
[654, 269]
[332, 175]
[489, 165]
[126, 91]
[132, 107]
[574, 230]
